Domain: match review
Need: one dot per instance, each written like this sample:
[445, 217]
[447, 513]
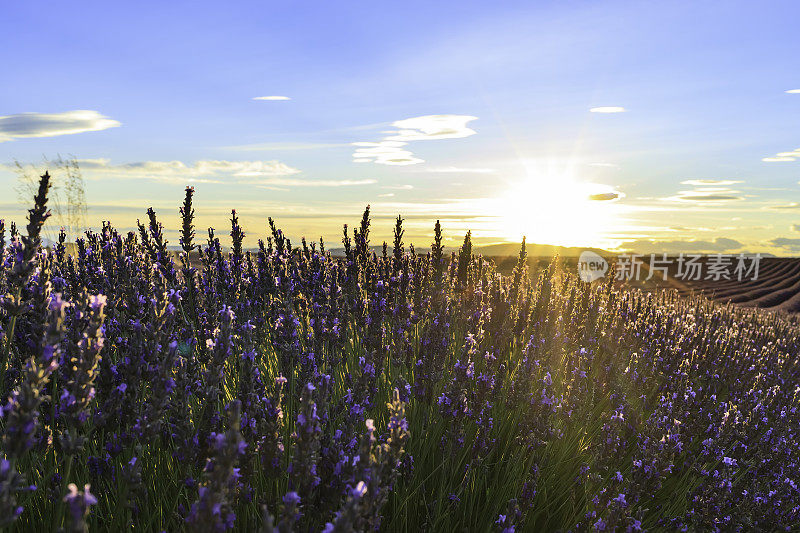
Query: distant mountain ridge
[536, 250]
[501, 250]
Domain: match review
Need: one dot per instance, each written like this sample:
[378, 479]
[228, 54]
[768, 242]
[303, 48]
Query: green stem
[53, 400]
[59, 516]
[12, 323]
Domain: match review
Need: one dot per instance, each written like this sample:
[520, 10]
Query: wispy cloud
[707, 182]
[600, 192]
[272, 98]
[608, 109]
[793, 91]
[699, 196]
[604, 196]
[282, 146]
[460, 170]
[790, 205]
[317, 183]
[708, 192]
[405, 187]
[391, 150]
[259, 173]
[26, 125]
[384, 153]
[786, 243]
[781, 157]
[178, 170]
[270, 174]
[433, 127]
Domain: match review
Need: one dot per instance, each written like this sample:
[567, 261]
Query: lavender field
[287, 390]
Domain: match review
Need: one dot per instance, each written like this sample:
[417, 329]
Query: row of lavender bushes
[286, 390]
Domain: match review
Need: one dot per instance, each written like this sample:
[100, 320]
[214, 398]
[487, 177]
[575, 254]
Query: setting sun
[552, 205]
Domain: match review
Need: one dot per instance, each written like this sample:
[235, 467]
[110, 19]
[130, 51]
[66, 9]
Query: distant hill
[502, 250]
[535, 250]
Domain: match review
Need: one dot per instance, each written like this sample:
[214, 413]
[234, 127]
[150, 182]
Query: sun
[553, 206]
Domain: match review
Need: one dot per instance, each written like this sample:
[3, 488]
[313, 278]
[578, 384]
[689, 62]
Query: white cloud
[272, 98]
[384, 153]
[399, 187]
[783, 156]
[391, 150]
[432, 127]
[27, 125]
[793, 91]
[607, 109]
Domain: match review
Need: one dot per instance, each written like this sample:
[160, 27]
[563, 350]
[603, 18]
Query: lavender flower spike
[78, 503]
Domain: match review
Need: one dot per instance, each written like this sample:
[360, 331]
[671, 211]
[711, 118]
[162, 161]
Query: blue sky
[171, 87]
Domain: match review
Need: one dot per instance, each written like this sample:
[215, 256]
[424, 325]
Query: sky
[654, 127]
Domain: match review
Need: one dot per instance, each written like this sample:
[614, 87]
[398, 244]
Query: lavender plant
[287, 389]
[23, 253]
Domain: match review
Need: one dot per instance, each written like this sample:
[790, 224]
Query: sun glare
[555, 207]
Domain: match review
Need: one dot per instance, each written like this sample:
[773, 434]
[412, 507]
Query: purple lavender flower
[213, 510]
[78, 505]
